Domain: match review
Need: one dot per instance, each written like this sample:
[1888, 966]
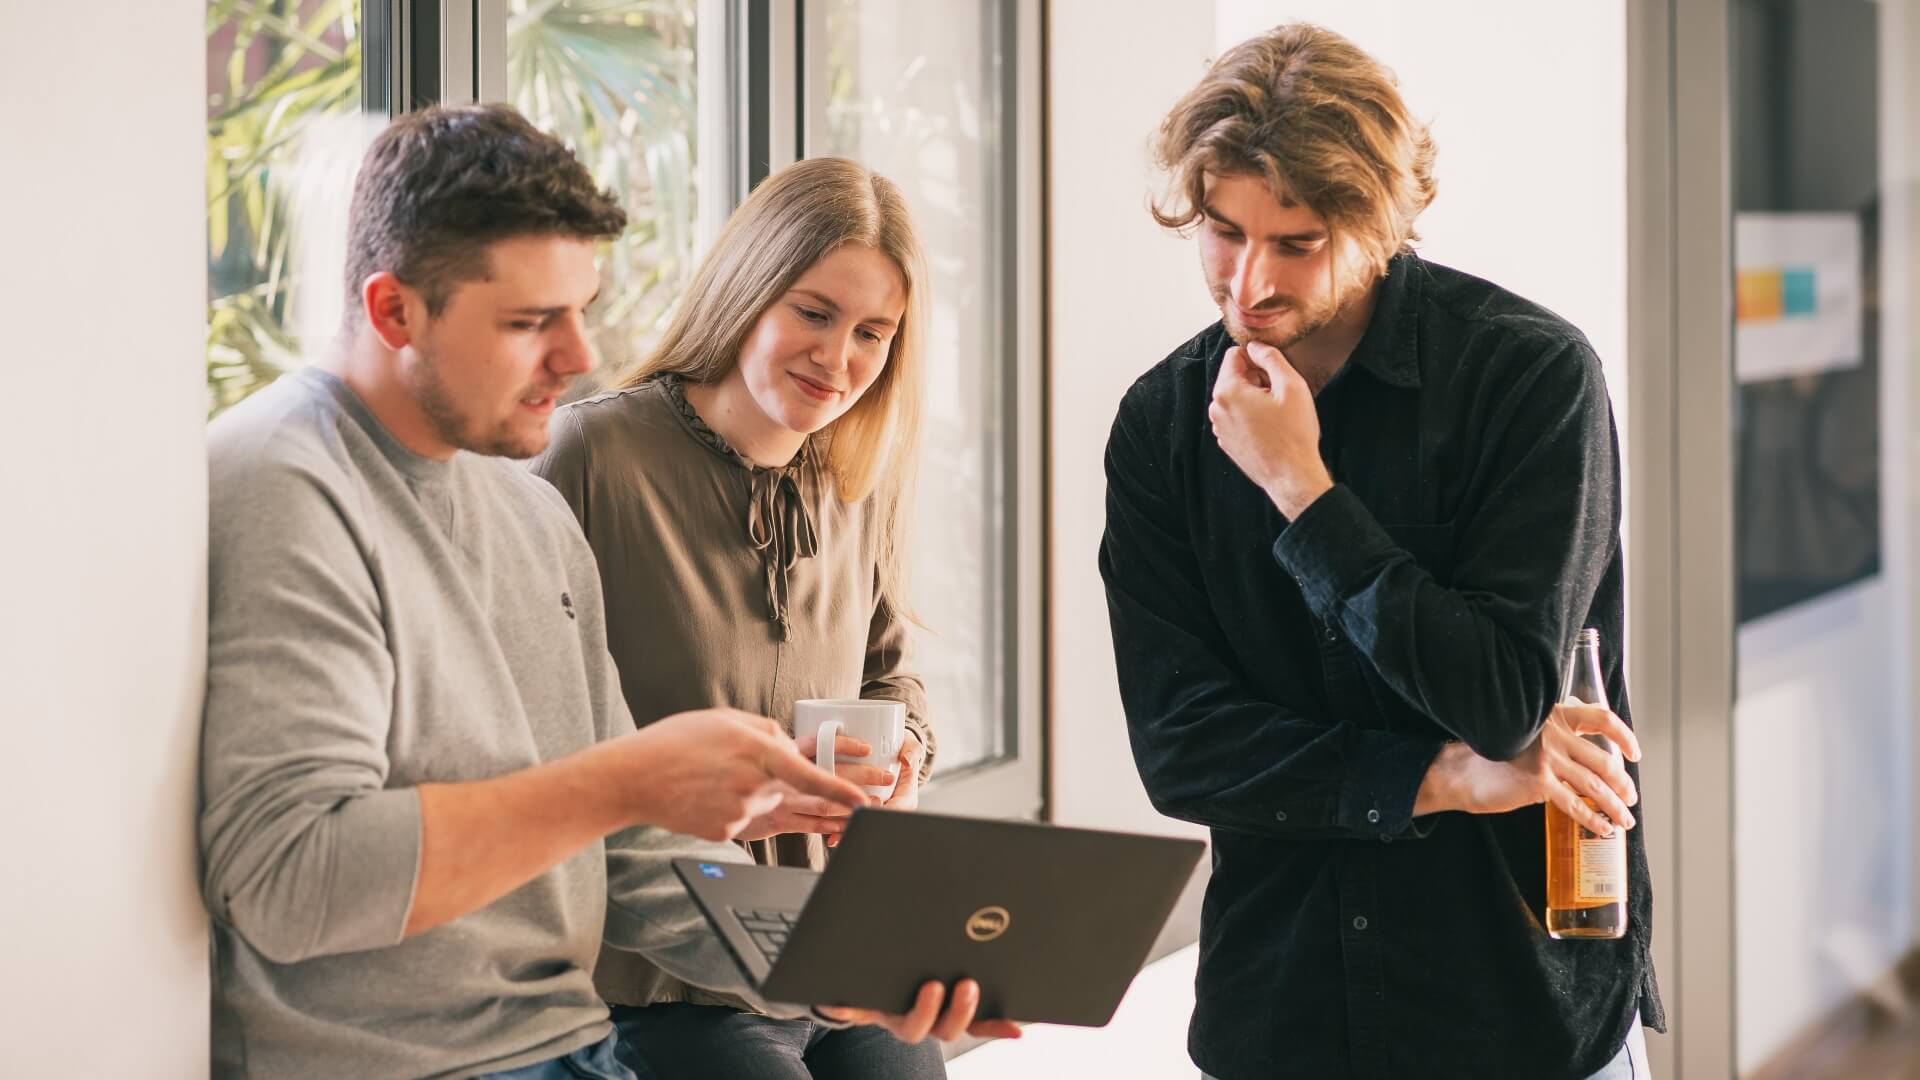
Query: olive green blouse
[727, 583]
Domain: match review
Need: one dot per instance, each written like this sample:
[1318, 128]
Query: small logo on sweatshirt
[566, 604]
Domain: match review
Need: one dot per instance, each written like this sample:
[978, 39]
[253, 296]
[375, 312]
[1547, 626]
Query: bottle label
[1600, 868]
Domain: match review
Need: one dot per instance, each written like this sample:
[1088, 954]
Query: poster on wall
[1807, 406]
[1797, 294]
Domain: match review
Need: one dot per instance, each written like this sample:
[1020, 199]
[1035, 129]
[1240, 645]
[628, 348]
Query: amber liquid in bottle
[1586, 872]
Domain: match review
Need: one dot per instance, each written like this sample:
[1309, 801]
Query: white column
[102, 614]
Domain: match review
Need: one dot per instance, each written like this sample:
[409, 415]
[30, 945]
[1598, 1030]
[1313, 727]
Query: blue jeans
[1631, 1062]
[679, 1041]
[597, 1062]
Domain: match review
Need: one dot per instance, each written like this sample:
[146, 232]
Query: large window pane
[912, 92]
[284, 135]
[616, 80]
[1821, 558]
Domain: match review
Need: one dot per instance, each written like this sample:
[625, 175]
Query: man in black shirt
[1352, 532]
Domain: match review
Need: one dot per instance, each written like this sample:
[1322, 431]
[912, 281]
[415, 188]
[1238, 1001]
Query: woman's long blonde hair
[789, 223]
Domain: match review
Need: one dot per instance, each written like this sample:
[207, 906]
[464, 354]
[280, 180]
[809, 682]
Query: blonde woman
[742, 490]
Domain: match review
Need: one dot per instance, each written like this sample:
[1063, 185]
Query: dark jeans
[677, 1041]
[596, 1062]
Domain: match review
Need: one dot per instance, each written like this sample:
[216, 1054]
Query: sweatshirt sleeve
[649, 912]
[305, 851]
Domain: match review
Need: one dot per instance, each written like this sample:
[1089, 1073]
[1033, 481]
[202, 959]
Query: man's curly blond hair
[1320, 120]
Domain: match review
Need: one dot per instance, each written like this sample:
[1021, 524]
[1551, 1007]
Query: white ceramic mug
[882, 725]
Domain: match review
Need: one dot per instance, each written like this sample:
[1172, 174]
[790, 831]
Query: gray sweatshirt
[378, 621]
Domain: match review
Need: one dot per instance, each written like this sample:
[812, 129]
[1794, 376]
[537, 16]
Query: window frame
[454, 51]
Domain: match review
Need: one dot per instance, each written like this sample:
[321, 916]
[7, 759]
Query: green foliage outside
[612, 78]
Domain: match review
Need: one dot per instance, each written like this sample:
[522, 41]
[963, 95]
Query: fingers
[759, 724]
[958, 1016]
[784, 764]
[914, 1026]
[844, 746]
[785, 819]
[1270, 361]
[1591, 773]
[1622, 736]
[829, 827]
[906, 794]
[867, 775]
[927, 1018]
[1233, 371]
[1594, 788]
[1570, 803]
[1600, 720]
[994, 1029]
[1610, 771]
[912, 751]
[810, 806]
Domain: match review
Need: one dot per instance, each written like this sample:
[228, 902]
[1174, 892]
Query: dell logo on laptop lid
[988, 923]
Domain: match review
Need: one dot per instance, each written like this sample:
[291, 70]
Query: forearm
[1254, 767]
[1441, 788]
[1479, 663]
[482, 839]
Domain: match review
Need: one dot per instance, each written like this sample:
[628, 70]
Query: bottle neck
[1586, 681]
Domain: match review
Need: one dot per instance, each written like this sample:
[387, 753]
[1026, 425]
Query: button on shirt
[1288, 684]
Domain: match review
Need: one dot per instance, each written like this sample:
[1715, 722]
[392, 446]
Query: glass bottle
[1586, 872]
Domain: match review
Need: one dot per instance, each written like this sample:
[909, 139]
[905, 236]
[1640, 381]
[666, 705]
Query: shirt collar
[1390, 349]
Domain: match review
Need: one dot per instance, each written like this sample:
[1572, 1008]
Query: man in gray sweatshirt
[424, 802]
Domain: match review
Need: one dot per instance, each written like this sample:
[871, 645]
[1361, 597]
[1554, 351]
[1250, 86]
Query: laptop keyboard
[768, 929]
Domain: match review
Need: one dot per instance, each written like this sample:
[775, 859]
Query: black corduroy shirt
[1287, 684]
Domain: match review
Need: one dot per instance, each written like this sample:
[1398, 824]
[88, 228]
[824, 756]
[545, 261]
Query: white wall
[1527, 102]
[102, 616]
[1532, 195]
[1123, 294]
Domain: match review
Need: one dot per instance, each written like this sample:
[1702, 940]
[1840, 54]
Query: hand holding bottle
[1562, 767]
[1579, 763]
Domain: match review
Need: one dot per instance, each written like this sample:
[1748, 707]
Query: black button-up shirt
[1288, 683]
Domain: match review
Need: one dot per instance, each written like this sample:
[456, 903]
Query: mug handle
[823, 744]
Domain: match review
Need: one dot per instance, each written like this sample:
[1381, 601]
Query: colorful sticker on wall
[1797, 304]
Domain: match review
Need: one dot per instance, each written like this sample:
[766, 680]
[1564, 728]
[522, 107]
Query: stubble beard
[428, 384]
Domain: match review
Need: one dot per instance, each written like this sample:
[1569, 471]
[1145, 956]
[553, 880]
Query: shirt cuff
[1379, 799]
[376, 867]
[922, 731]
[1333, 546]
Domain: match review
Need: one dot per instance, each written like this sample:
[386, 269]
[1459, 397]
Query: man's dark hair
[440, 185]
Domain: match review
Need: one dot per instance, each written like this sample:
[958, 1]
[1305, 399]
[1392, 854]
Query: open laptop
[1053, 922]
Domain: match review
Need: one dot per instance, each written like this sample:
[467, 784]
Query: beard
[457, 427]
[1283, 336]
